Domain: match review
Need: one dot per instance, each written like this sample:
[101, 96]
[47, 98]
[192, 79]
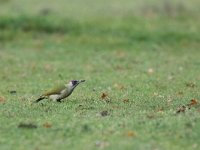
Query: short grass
[146, 61]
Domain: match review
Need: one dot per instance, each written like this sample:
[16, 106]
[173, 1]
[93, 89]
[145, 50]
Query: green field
[140, 60]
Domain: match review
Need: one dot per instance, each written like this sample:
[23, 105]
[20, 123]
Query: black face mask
[74, 82]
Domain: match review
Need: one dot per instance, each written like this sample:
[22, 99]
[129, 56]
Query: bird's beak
[81, 81]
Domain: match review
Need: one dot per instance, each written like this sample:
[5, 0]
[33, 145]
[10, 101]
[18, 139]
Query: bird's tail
[40, 98]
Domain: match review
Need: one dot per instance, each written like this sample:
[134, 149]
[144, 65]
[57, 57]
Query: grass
[147, 65]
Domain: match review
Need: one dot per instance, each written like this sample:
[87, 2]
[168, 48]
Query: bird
[60, 92]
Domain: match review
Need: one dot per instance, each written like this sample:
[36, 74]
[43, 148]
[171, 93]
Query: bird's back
[55, 91]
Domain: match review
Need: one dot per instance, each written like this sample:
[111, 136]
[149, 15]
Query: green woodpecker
[61, 92]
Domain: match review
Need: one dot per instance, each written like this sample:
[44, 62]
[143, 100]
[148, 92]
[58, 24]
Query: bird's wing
[54, 91]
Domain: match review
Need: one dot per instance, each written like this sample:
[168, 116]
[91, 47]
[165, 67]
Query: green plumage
[61, 92]
[56, 90]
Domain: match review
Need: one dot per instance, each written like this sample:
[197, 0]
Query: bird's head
[74, 83]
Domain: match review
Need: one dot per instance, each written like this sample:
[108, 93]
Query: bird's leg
[59, 100]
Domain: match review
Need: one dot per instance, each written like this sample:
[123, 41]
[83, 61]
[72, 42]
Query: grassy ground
[141, 65]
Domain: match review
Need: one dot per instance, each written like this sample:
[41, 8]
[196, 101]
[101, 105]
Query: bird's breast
[65, 93]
